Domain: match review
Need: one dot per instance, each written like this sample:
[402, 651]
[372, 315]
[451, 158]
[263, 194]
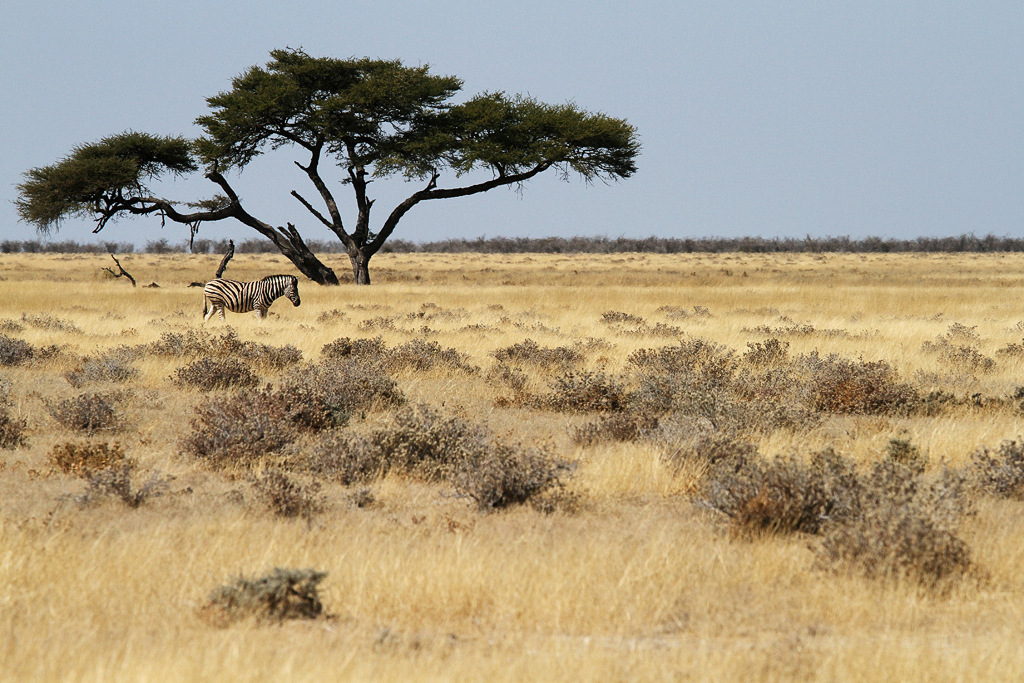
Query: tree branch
[224, 261]
[121, 271]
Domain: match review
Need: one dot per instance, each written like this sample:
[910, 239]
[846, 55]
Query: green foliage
[100, 178]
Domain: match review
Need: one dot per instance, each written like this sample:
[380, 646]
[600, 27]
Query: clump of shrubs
[281, 595]
[12, 429]
[324, 395]
[894, 522]
[615, 427]
[239, 429]
[89, 412]
[81, 458]
[194, 343]
[14, 351]
[366, 349]
[420, 356]
[113, 366]
[618, 318]
[107, 471]
[210, 374]
[768, 353]
[584, 390]
[529, 352]
[903, 527]
[287, 498]
[999, 473]
[424, 443]
[839, 385]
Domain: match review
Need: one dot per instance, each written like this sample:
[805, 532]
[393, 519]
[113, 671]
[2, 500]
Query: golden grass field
[637, 584]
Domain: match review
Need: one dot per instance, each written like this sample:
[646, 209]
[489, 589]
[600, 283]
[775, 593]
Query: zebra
[242, 297]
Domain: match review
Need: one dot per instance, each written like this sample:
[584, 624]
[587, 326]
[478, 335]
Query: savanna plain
[728, 467]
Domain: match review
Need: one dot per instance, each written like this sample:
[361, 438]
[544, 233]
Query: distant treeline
[561, 245]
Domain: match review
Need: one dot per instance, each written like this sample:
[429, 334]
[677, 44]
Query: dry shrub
[584, 390]
[190, 343]
[324, 395]
[82, 458]
[113, 366]
[261, 355]
[239, 429]
[529, 352]
[331, 317]
[88, 412]
[346, 458]
[427, 443]
[615, 427]
[210, 374]
[228, 345]
[282, 594]
[709, 358]
[14, 351]
[839, 385]
[12, 430]
[620, 318]
[903, 452]
[286, 498]
[367, 349]
[771, 352]
[1001, 473]
[420, 356]
[502, 475]
[956, 349]
[903, 527]
[48, 322]
[116, 482]
[782, 495]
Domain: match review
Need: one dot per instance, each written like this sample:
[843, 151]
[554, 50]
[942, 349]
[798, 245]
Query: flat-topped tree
[372, 119]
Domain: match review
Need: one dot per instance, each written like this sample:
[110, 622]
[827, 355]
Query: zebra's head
[291, 290]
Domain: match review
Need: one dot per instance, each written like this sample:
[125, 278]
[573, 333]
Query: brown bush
[529, 352]
[324, 395]
[420, 356]
[903, 527]
[113, 366]
[770, 352]
[286, 498]
[14, 351]
[839, 385]
[580, 391]
[82, 458]
[502, 475]
[427, 443]
[1001, 473]
[282, 594]
[618, 317]
[615, 427]
[368, 349]
[346, 458]
[210, 374]
[88, 412]
[782, 495]
[12, 430]
[239, 429]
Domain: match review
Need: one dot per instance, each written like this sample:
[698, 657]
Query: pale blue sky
[894, 119]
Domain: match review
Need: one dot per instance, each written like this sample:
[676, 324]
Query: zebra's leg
[209, 314]
[261, 313]
[220, 311]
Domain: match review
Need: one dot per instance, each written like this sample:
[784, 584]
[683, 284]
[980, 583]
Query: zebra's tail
[204, 306]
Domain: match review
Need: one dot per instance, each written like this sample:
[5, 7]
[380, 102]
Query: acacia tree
[362, 119]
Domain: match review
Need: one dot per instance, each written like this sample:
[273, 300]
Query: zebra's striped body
[242, 297]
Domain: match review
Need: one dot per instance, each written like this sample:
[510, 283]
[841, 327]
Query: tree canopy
[367, 118]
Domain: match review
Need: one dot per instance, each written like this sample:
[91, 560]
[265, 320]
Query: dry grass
[632, 581]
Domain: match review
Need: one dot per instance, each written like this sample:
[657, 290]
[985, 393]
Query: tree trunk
[310, 266]
[360, 268]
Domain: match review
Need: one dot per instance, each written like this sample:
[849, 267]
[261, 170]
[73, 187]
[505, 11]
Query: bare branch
[224, 261]
[121, 271]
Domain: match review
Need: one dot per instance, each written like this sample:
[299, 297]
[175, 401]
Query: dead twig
[121, 270]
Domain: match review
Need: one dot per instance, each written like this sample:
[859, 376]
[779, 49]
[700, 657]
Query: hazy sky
[814, 117]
